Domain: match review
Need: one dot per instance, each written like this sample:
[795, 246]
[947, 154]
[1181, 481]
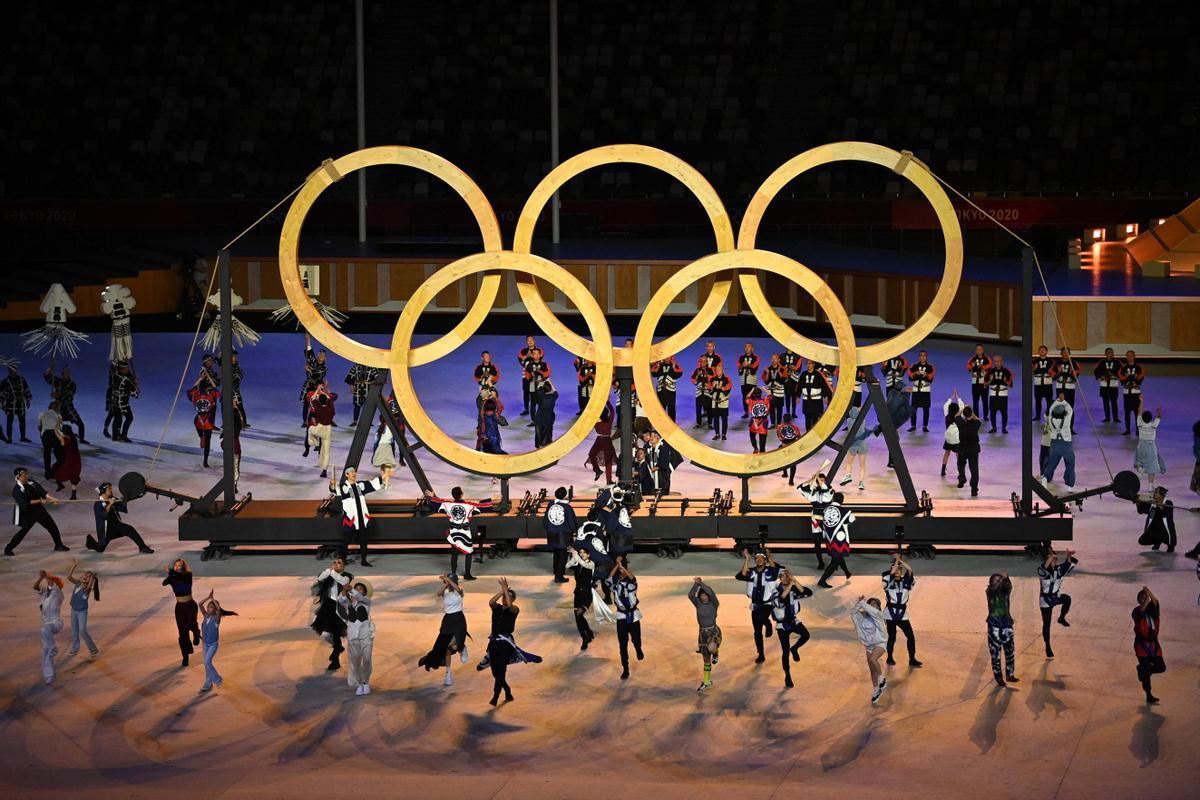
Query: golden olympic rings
[401, 358]
[743, 260]
[332, 171]
[749, 463]
[624, 154]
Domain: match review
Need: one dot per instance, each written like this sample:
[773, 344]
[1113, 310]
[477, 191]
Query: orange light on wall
[1096, 235]
[1131, 229]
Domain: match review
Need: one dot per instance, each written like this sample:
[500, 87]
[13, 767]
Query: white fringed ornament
[243, 334]
[55, 339]
[285, 314]
[117, 301]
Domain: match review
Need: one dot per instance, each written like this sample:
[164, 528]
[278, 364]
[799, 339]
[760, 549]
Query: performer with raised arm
[327, 623]
[30, 501]
[602, 456]
[62, 389]
[785, 608]
[1145, 640]
[1107, 375]
[1000, 628]
[502, 647]
[666, 377]
[459, 535]
[1043, 382]
[585, 373]
[1050, 577]
[999, 381]
[708, 641]
[210, 632]
[321, 413]
[719, 389]
[747, 368]
[1065, 371]
[869, 624]
[835, 530]
[1130, 375]
[86, 586]
[350, 494]
[818, 491]
[898, 582]
[205, 402]
[583, 568]
[107, 510]
[179, 578]
[774, 381]
[629, 615]
[49, 587]
[761, 581]
[921, 375]
[315, 371]
[359, 379]
[354, 607]
[978, 366]
[452, 635]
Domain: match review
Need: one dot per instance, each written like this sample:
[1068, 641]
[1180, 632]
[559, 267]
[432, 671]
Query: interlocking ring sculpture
[741, 259]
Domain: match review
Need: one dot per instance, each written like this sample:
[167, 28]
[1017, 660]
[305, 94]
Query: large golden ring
[401, 359]
[844, 356]
[332, 171]
[904, 165]
[623, 154]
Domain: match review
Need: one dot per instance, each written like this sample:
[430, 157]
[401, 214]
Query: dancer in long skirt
[452, 635]
[708, 641]
[179, 578]
[502, 647]
[1146, 458]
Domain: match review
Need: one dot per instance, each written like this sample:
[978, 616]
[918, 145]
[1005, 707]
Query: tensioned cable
[1049, 298]
[212, 278]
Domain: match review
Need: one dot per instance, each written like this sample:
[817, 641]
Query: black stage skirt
[328, 621]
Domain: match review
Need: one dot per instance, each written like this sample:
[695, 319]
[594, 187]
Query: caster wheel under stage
[215, 552]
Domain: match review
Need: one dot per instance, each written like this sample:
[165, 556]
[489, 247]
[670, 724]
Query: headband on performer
[18, 470]
[100, 489]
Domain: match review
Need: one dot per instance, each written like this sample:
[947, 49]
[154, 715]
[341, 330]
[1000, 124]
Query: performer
[719, 389]
[950, 438]
[30, 509]
[602, 455]
[107, 511]
[49, 588]
[486, 372]
[205, 402]
[667, 374]
[1146, 459]
[583, 568]
[560, 523]
[69, 465]
[327, 623]
[759, 405]
[813, 390]
[210, 632]
[502, 647]
[869, 624]
[835, 530]
[1130, 375]
[702, 377]
[350, 494]
[315, 370]
[460, 535]
[452, 635]
[49, 424]
[15, 398]
[819, 492]
[747, 368]
[359, 379]
[525, 359]
[1060, 447]
[898, 582]
[487, 431]
[1145, 640]
[999, 381]
[761, 582]
[663, 460]
[209, 380]
[774, 378]
[792, 362]
[830, 373]
[788, 432]
[234, 431]
[708, 641]
[1065, 372]
[321, 411]
[709, 358]
[785, 608]
[978, 366]
[856, 450]
[894, 371]
[1000, 628]
[860, 377]
[629, 616]
[921, 375]
[237, 375]
[122, 387]
[1043, 382]
[968, 449]
[543, 413]
[86, 586]
[537, 372]
[585, 371]
[354, 607]
[1050, 577]
[1160, 521]
[62, 389]
[643, 476]
[179, 578]
[1107, 374]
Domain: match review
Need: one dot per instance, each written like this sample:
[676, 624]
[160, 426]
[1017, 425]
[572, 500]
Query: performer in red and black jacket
[719, 388]
[525, 358]
[758, 403]
[666, 377]
[747, 368]
[788, 433]
[921, 375]
[977, 367]
[487, 370]
[585, 372]
[774, 381]
[205, 401]
[794, 364]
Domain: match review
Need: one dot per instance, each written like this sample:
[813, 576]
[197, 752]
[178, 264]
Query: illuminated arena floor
[131, 723]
